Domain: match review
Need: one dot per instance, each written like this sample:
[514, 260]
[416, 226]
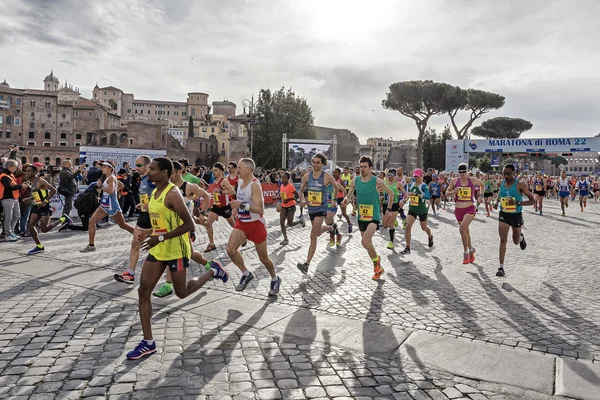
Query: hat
[392, 171]
[463, 167]
[38, 165]
[106, 163]
[434, 176]
[418, 172]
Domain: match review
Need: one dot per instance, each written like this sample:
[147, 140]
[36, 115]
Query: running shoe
[487, 214]
[563, 214]
[430, 243]
[284, 242]
[303, 267]
[274, 290]
[303, 222]
[466, 259]
[141, 350]
[88, 249]
[377, 269]
[404, 223]
[338, 239]
[218, 271]
[405, 251]
[472, 255]
[244, 281]
[396, 223]
[540, 212]
[244, 244]
[500, 272]
[68, 220]
[390, 245]
[11, 237]
[164, 291]
[350, 227]
[523, 243]
[209, 248]
[125, 277]
[36, 250]
[332, 241]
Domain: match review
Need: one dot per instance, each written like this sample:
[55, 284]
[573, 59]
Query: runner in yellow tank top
[169, 246]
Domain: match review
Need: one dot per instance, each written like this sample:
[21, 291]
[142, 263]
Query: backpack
[86, 203]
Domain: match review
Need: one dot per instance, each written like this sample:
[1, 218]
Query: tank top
[487, 186]
[583, 185]
[146, 188]
[563, 185]
[233, 183]
[218, 199]
[166, 220]
[287, 192]
[340, 194]
[317, 193]
[108, 200]
[38, 195]
[346, 179]
[538, 186]
[434, 188]
[507, 195]
[464, 193]
[367, 198]
[416, 203]
[244, 194]
[394, 186]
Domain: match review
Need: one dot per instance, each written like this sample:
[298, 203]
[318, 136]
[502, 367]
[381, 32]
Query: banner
[533, 145]
[57, 204]
[269, 192]
[300, 155]
[495, 161]
[87, 155]
[455, 155]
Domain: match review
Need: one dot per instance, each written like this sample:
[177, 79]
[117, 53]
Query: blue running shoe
[275, 287]
[36, 250]
[219, 272]
[141, 350]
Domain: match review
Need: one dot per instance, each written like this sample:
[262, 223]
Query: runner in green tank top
[369, 215]
[418, 195]
[391, 206]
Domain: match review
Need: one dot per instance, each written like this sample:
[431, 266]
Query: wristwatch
[203, 213]
[161, 238]
[245, 206]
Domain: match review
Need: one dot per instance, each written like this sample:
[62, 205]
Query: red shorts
[254, 230]
[460, 213]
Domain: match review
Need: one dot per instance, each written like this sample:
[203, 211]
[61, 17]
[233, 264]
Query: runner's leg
[151, 273]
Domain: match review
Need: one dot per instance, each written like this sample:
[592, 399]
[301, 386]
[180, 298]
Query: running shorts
[514, 220]
[224, 212]
[421, 217]
[395, 207]
[255, 231]
[42, 212]
[174, 265]
[363, 225]
[317, 214]
[460, 213]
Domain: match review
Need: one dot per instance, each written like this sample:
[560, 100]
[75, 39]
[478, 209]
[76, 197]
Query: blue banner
[495, 161]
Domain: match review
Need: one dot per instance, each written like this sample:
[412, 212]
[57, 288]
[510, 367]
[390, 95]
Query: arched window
[57, 161]
[113, 139]
[35, 159]
[23, 160]
[47, 160]
[63, 136]
[584, 169]
[47, 135]
[580, 169]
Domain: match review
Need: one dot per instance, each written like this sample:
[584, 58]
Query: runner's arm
[257, 198]
[174, 201]
[199, 192]
[303, 186]
[381, 186]
[51, 189]
[227, 188]
[451, 187]
[401, 187]
[525, 190]
[425, 195]
[348, 199]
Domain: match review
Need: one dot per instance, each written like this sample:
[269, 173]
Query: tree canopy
[558, 161]
[502, 127]
[191, 127]
[280, 112]
[476, 102]
[419, 100]
[434, 148]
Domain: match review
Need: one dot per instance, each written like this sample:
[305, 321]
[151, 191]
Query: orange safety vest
[124, 191]
[13, 181]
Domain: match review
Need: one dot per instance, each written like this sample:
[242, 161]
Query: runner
[189, 191]
[539, 190]
[356, 174]
[392, 205]
[463, 190]
[221, 190]
[334, 192]
[250, 225]
[488, 192]
[418, 193]
[232, 178]
[41, 193]
[316, 183]
[109, 206]
[443, 188]
[401, 179]
[583, 187]
[596, 188]
[435, 191]
[287, 206]
[511, 204]
[478, 192]
[143, 227]
[168, 246]
[564, 191]
[345, 180]
[367, 188]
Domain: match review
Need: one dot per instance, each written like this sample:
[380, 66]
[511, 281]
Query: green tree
[502, 128]
[476, 102]
[434, 148]
[280, 112]
[191, 127]
[558, 161]
[418, 100]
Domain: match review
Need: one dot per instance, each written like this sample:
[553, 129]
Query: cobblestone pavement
[63, 339]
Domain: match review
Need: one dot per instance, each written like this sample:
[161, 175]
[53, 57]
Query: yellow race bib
[283, 195]
[216, 200]
[144, 200]
[36, 198]
[414, 200]
[315, 199]
[365, 212]
[464, 194]
[159, 225]
[509, 208]
[538, 188]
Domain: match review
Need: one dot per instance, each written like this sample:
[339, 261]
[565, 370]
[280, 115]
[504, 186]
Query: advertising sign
[117, 155]
[455, 155]
[300, 154]
[532, 145]
[495, 161]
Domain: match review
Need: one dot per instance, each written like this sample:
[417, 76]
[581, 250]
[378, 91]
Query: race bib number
[315, 199]
[283, 195]
[105, 202]
[144, 200]
[159, 225]
[37, 198]
[365, 212]
[414, 200]
[464, 194]
[509, 204]
[538, 188]
[216, 200]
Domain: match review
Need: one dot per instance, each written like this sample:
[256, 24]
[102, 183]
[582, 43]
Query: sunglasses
[462, 172]
[140, 165]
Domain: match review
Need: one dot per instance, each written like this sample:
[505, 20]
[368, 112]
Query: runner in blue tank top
[510, 198]
[583, 187]
[316, 184]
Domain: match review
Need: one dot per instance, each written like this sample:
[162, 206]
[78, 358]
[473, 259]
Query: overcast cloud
[543, 56]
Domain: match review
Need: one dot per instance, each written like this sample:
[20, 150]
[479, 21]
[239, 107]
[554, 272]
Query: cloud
[341, 56]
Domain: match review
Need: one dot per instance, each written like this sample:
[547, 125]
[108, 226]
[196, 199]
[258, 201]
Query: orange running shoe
[377, 269]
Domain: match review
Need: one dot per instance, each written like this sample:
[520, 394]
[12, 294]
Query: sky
[341, 56]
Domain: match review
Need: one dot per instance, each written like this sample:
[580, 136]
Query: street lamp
[251, 119]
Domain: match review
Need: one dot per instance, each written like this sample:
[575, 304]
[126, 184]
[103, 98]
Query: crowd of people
[167, 198]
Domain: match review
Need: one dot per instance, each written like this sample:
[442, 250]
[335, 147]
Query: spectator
[67, 184]
[10, 193]
[94, 174]
[127, 199]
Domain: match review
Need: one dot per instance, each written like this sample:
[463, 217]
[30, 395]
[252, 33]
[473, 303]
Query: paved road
[69, 334]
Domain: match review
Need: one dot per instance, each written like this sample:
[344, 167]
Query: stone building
[582, 163]
[347, 144]
[224, 107]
